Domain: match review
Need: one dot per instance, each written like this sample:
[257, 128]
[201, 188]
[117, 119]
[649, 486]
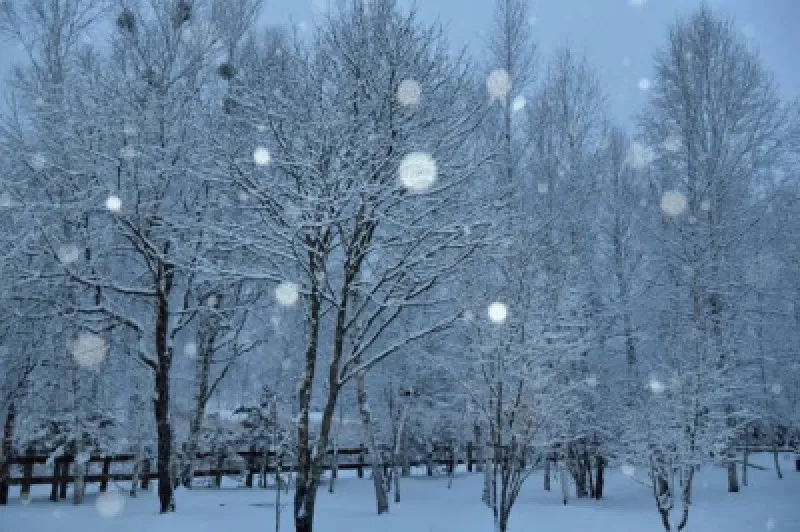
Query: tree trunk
[381, 497]
[547, 463]
[598, 486]
[733, 479]
[564, 483]
[687, 498]
[79, 466]
[202, 373]
[775, 453]
[161, 396]
[6, 452]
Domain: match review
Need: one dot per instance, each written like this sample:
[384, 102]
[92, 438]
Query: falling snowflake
[705, 205]
[692, 220]
[243, 196]
[498, 312]
[543, 188]
[130, 130]
[89, 350]
[518, 104]
[656, 386]
[5, 200]
[673, 203]
[38, 161]
[591, 381]
[643, 202]
[417, 171]
[498, 84]
[673, 142]
[628, 470]
[287, 294]
[127, 152]
[211, 301]
[113, 203]
[261, 156]
[644, 84]
[640, 156]
[770, 524]
[776, 388]
[469, 315]
[286, 365]
[409, 92]
[190, 350]
[637, 3]
[68, 253]
[110, 504]
[261, 128]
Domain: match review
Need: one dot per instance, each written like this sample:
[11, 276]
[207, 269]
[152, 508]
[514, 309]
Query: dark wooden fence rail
[60, 477]
[348, 459]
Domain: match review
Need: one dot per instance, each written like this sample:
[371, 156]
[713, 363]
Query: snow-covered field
[429, 506]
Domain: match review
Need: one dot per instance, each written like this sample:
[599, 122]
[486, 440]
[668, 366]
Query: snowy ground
[429, 506]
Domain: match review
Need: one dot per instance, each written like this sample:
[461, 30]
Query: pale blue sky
[618, 37]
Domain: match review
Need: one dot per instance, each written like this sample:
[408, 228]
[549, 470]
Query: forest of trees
[201, 215]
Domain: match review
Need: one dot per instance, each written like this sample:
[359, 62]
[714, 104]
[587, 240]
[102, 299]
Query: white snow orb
[705, 205]
[628, 470]
[409, 92]
[89, 350]
[110, 504]
[68, 253]
[591, 381]
[640, 156]
[498, 84]
[417, 171]
[113, 203]
[543, 188]
[644, 84]
[5, 200]
[190, 350]
[38, 161]
[673, 203]
[261, 156]
[287, 294]
[498, 312]
[127, 152]
[656, 386]
[673, 142]
[776, 388]
[518, 104]
[770, 524]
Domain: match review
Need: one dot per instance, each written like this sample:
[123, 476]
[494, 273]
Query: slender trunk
[687, 498]
[663, 496]
[564, 483]
[547, 463]
[137, 467]
[599, 484]
[733, 479]
[79, 465]
[202, 374]
[6, 452]
[377, 468]
[278, 462]
[161, 396]
[746, 457]
[775, 452]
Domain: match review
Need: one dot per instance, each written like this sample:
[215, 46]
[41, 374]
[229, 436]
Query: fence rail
[253, 465]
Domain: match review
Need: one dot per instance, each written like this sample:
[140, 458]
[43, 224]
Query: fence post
[218, 476]
[104, 475]
[361, 459]
[56, 478]
[145, 473]
[249, 464]
[27, 473]
[64, 477]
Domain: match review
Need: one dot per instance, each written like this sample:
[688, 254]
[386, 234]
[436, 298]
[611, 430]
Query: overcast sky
[618, 36]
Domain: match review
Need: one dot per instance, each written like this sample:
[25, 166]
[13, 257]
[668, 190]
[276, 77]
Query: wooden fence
[59, 476]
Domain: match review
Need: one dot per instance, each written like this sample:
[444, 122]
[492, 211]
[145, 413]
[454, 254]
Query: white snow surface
[427, 506]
